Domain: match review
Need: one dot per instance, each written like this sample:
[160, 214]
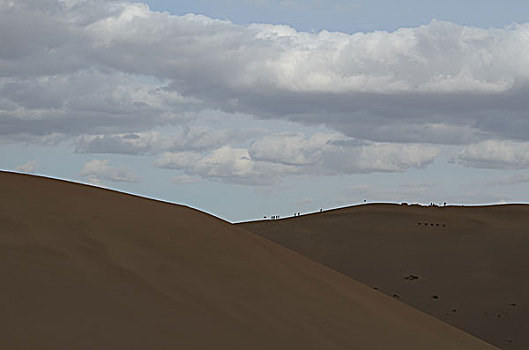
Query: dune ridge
[83, 267]
[463, 265]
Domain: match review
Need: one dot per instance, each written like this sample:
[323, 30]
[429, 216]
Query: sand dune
[86, 268]
[468, 266]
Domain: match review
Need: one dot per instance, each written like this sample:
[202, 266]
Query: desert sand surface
[88, 268]
[468, 266]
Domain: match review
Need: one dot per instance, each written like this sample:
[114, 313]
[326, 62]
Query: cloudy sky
[247, 108]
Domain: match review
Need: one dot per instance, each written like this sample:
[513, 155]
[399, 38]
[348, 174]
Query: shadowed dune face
[467, 266]
[87, 268]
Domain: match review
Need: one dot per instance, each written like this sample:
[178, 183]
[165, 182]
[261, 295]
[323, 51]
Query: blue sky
[353, 16]
[255, 108]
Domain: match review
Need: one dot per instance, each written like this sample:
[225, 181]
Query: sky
[253, 108]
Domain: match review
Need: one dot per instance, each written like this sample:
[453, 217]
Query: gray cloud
[87, 102]
[108, 73]
[333, 153]
[496, 154]
[272, 157]
[226, 164]
[121, 144]
[187, 138]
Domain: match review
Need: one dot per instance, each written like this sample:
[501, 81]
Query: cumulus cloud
[97, 171]
[333, 153]
[27, 167]
[115, 76]
[187, 138]
[113, 67]
[496, 154]
[135, 143]
[226, 164]
[86, 101]
[290, 149]
[272, 157]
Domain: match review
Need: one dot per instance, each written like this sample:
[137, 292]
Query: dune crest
[464, 265]
[86, 268]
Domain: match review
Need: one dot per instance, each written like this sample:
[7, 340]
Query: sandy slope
[82, 267]
[469, 266]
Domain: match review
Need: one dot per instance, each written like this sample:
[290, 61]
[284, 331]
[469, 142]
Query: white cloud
[497, 154]
[97, 171]
[28, 167]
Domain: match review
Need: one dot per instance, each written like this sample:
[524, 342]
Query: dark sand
[86, 268]
[468, 266]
